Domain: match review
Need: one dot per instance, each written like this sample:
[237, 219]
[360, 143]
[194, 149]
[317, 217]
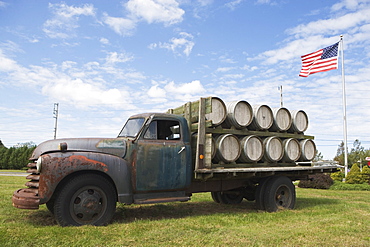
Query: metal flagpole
[344, 112]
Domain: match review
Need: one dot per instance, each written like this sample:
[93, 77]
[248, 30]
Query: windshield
[132, 127]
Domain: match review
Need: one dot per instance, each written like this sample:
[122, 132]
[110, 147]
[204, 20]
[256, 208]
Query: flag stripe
[320, 61]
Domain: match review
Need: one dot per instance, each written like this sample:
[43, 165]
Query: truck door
[163, 159]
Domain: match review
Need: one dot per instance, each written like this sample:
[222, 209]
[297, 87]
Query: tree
[337, 176]
[15, 157]
[357, 153]
[340, 154]
[366, 174]
[355, 176]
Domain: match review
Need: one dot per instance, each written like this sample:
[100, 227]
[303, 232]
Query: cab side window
[163, 130]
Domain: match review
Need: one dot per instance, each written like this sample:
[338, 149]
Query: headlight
[38, 164]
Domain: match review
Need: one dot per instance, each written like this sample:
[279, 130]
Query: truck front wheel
[87, 199]
[279, 193]
[227, 197]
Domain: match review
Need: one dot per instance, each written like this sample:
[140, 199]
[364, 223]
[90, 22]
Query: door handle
[182, 149]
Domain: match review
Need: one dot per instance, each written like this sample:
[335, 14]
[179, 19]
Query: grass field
[321, 218]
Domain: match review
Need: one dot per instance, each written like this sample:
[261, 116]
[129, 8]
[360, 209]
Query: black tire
[215, 197]
[250, 196]
[50, 205]
[260, 193]
[279, 194]
[87, 199]
[230, 197]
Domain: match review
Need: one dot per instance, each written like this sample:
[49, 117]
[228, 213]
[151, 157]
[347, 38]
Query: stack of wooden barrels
[245, 133]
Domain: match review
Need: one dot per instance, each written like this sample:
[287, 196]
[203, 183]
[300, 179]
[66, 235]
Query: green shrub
[337, 176]
[355, 176]
[344, 186]
[317, 181]
[366, 173]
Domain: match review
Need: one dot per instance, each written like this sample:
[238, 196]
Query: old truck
[166, 157]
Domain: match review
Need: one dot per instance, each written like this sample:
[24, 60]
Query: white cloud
[65, 19]
[165, 11]
[156, 92]
[7, 64]
[233, 4]
[205, 2]
[249, 68]
[104, 41]
[224, 69]
[348, 4]
[333, 26]
[115, 57]
[121, 26]
[318, 34]
[180, 45]
[68, 82]
[3, 4]
[84, 94]
[194, 87]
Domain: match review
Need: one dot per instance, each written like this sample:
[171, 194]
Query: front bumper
[28, 198]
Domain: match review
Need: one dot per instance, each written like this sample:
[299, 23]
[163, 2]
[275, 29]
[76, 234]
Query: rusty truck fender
[60, 166]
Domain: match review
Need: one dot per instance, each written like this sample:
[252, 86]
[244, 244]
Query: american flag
[320, 61]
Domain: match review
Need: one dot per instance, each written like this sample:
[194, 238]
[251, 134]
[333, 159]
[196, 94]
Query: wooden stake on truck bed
[199, 158]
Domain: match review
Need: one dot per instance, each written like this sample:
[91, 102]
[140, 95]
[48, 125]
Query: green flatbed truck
[156, 158]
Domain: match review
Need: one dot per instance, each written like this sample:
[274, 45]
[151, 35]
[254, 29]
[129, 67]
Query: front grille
[28, 198]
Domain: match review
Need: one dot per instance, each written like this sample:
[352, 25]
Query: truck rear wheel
[279, 193]
[260, 192]
[88, 199]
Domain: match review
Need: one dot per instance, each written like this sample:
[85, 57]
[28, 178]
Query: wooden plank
[192, 108]
[200, 154]
[268, 169]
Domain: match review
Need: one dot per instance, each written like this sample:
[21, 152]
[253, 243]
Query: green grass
[343, 186]
[321, 218]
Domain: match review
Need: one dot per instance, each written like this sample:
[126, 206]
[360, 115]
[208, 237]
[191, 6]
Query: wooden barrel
[273, 148]
[262, 117]
[282, 119]
[292, 149]
[227, 148]
[299, 121]
[251, 149]
[218, 114]
[308, 149]
[239, 114]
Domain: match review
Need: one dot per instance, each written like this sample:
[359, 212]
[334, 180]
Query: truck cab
[159, 154]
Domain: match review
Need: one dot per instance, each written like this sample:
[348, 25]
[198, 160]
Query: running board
[161, 200]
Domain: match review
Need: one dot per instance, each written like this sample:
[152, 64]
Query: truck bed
[294, 172]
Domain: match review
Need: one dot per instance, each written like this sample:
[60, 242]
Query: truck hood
[115, 146]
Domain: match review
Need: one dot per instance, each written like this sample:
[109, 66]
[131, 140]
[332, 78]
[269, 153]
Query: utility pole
[281, 95]
[55, 115]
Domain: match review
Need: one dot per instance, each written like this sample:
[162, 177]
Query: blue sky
[103, 61]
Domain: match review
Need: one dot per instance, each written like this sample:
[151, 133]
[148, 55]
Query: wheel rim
[88, 204]
[283, 197]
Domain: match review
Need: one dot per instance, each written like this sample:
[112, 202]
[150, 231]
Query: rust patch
[26, 199]
[55, 168]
